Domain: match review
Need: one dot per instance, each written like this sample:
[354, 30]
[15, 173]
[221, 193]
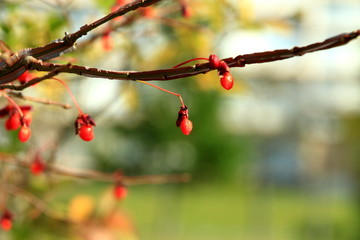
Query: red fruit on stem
[84, 127]
[186, 126]
[107, 42]
[24, 133]
[227, 81]
[37, 167]
[25, 77]
[86, 132]
[147, 12]
[13, 122]
[185, 11]
[120, 2]
[6, 224]
[6, 221]
[214, 61]
[27, 118]
[223, 68]
[183, 113]
[120, 191]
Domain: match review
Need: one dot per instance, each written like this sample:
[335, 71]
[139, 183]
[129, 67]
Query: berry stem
[194, 59]
[71, 95]
[167, 91]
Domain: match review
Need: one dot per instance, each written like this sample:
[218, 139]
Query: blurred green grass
[214, 211]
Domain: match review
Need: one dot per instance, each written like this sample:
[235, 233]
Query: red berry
[37, 167]
[24, 133]
[227, 81]
[86, 132]
[120, 2]
[183, 113]
[185, 11]
[186, 126]
[223, 68]
[120, 191]
[13, 122]
[107, 42]
[25, 77]
[6, 221]
[214, 61]
[84, 127]
[27, 118]
[147, 12]
[6, 224]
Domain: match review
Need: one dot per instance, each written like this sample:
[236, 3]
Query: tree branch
[14, 65]
[182, 72]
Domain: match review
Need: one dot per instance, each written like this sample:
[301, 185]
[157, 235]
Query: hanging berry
[6, 220]
[25, 77]
[27, 115]
[120, 191]
[185, 10]
[186, 126]
[147, 12]
[227, 81]
[86, 132]
[107, 41]
[120, 2]
[13, 122]
[84, 127]
[223, 68]
[24, 133]
[214, 61]
[183, 121]
[37, 166]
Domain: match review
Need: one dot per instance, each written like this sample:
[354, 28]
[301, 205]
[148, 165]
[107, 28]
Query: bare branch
[13, 66]
[30, 60]
[39, 100]
[36, 202]
[100, 176]
[182, 72]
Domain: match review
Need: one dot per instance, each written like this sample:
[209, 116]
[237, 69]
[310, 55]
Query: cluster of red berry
[17, 117]
[226, 79]
[21, 116]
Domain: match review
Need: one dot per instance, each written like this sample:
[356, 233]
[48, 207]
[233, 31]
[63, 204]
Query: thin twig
[36, 202]
[109, 177]
[100, 176]
[39, 100]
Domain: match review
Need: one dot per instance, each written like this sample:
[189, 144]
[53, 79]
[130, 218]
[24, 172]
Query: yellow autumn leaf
[80, 208]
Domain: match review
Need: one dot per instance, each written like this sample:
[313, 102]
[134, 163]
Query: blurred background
[275, 158]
